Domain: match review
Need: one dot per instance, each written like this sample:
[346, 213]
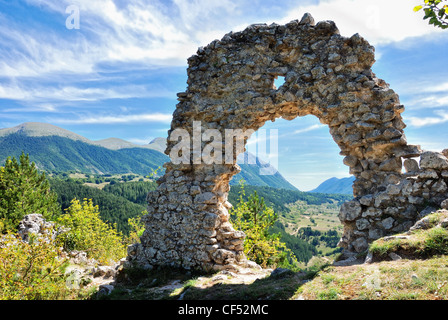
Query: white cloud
[148, 32]
[442, 117]
[162, 33]
[378, 21]
[27, 52]
[443, 87]
[429, 101]
[118, 119]
[47, 94]
[159, 33]
[307, 129]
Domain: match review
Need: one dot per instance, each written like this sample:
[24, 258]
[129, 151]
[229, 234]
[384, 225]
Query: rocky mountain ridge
[40, 129]
[56, 149]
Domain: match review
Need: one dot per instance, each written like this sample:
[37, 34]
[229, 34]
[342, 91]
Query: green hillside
[279, 198]
[335, 185]
[133, 191]
[54, 153]
[250, 173]
[54, 149]
[120, 201]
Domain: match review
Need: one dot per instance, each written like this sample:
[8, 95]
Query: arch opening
[305, 163]
[305, 152]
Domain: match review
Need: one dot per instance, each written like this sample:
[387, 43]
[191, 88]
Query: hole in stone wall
[278, 82]
[307, 156]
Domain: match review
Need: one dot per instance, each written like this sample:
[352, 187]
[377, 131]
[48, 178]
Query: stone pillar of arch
[231, 86]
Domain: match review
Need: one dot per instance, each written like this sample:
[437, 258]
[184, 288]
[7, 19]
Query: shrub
[137, 229]
[89, 233]
[31, 270]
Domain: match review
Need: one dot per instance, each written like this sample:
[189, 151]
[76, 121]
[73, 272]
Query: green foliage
[135, 192]
[420, 243]
[87, 232]
[436, 241]
[137, 228]
[436, 11]
[114, 208]
[254, 218]
[23, 190]
[31, 271]
[59, 154]
[330, 237]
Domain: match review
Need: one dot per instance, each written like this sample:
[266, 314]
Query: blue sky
[118, 74]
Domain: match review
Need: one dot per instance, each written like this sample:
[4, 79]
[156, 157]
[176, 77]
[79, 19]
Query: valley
[321, 217]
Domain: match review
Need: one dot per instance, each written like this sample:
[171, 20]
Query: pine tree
[255, 219]
[23, 190]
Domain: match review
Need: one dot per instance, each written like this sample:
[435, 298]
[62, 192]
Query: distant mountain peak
[116, 144]
[40, 129]
[158, 144]
[335, 185]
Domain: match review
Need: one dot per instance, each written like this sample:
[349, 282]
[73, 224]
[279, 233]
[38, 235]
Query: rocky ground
[411, 265]
[408, 266]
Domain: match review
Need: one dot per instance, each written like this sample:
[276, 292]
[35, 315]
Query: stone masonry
[231, 86]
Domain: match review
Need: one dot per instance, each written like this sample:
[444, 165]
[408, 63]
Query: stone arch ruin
[230, 86]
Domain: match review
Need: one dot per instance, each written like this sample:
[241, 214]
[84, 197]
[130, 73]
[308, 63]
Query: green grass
[422, 274]
[420, 243]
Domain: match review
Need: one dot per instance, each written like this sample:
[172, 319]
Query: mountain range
[56, 149]
[335, 185]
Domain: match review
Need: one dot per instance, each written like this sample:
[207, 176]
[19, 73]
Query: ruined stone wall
[231, 86]
[397, 203]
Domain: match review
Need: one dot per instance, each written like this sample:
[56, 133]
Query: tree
[255, 219]
[436, 11]
[23, 190]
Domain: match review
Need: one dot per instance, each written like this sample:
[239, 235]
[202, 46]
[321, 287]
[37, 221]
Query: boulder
[433, 160]
[35, 224]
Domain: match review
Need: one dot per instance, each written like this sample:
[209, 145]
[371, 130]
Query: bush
[137, 229]
[89, 233]
[31, 270]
